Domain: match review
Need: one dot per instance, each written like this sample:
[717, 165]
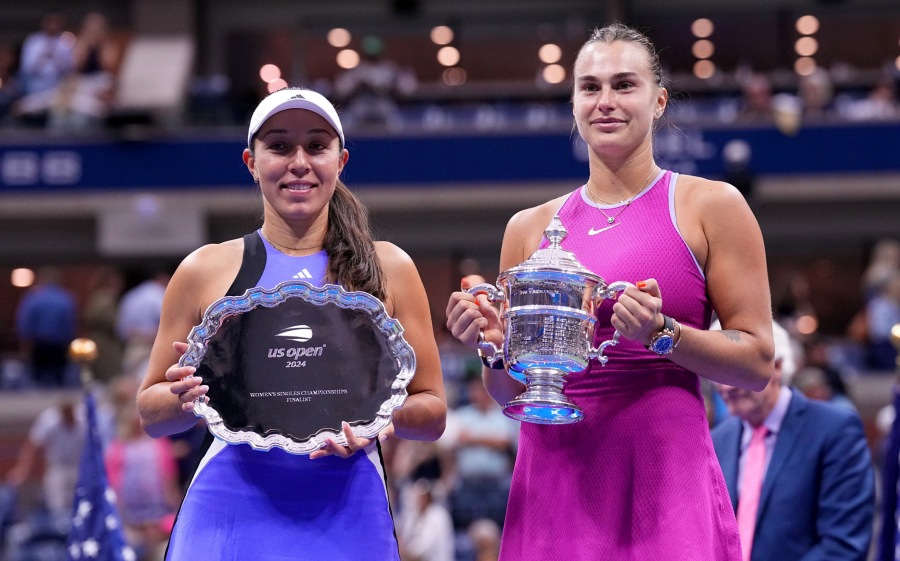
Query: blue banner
[215, 162]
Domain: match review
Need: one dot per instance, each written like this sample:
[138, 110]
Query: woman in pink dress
[637, 479]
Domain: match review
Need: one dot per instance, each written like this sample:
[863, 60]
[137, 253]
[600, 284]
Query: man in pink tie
[798, 471]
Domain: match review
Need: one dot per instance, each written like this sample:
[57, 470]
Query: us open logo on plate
[299, 333]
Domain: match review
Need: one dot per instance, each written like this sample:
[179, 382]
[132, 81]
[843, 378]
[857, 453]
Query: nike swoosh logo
[593, 232]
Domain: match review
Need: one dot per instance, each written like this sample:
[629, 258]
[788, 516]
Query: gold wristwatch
[663, 341]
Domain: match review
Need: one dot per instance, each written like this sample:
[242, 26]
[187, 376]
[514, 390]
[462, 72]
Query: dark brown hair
[352, 262]
[621, 32]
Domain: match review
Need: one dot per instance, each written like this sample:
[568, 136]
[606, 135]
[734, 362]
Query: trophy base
[543, 409]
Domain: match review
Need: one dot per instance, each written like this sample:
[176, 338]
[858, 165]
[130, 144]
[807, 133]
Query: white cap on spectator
[294, 98]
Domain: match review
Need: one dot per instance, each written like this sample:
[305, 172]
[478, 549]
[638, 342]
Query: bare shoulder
[400, 272]
[536, 216]
[208, 271]
[215, 258]
[525, 229]
[403, 285]
[392, 257]
[706, 210]
[702, 193]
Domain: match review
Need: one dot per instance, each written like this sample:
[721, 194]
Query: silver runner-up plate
[285, 366]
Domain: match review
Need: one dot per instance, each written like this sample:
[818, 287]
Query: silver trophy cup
[547, 307]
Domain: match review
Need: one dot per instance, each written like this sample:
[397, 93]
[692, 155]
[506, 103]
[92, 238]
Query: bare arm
[725, 237]
[165, 398]
[738, 285]
[424, 414]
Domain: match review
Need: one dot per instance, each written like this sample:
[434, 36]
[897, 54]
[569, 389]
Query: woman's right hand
[469, 314]
[184, 385]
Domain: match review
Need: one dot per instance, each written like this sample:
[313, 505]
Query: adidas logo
[304, 274]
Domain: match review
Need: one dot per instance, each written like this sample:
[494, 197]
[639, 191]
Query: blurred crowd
[60, 79]
[67, 80]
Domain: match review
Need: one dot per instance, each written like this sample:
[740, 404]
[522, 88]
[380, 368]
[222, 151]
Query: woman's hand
[636, 313]
[469, 314]
[184, 384]
[354, 443]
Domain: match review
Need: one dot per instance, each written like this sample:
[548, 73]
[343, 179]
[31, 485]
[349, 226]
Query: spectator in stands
[46, 320]
[882, 315]
[798, 471]
[816, 92]
[139, 315]
[47, 58]
[788, 111]
[481, 443]
[424, 528]
[57, 436]
[883, 264]
[817, 353]
[756, 105]
[370, 90]
[484, 534]
[880, 104]
[100, 314]
[143, 472]
[85, 95]
[813, 383]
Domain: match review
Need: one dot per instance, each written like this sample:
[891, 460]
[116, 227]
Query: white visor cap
[294, 98]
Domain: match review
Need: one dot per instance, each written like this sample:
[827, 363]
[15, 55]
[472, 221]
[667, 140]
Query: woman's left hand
[354, 443]
[636, 313]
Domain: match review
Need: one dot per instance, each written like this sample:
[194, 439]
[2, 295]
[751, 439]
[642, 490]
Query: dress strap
[252, 265]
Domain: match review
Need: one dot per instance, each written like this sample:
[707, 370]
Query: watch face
[662, 344]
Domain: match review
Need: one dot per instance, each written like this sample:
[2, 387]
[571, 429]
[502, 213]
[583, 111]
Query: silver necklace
[285, 249]
[626, 202]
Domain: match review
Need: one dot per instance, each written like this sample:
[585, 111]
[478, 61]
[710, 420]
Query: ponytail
[352, 262]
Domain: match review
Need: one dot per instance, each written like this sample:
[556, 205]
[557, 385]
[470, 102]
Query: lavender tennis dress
[253, 505]
[637, 479]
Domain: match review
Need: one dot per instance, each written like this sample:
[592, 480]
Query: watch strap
[668, 324]
[667, 331]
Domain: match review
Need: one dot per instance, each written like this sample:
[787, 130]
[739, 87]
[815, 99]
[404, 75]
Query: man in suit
[817, 494]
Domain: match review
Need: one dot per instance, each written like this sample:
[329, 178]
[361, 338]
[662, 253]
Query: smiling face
[617, 97]
[296, 160]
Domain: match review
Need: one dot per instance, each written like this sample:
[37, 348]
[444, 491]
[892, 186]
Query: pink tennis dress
[637, 479]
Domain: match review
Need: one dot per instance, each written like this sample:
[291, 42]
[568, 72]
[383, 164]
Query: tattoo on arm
[732, 334]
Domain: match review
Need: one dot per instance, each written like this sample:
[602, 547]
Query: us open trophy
[547, 307]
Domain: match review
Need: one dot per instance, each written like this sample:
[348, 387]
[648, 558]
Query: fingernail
[641, 284]
[382, 437]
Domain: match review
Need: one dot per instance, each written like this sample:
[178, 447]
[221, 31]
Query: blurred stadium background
[477, 127]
